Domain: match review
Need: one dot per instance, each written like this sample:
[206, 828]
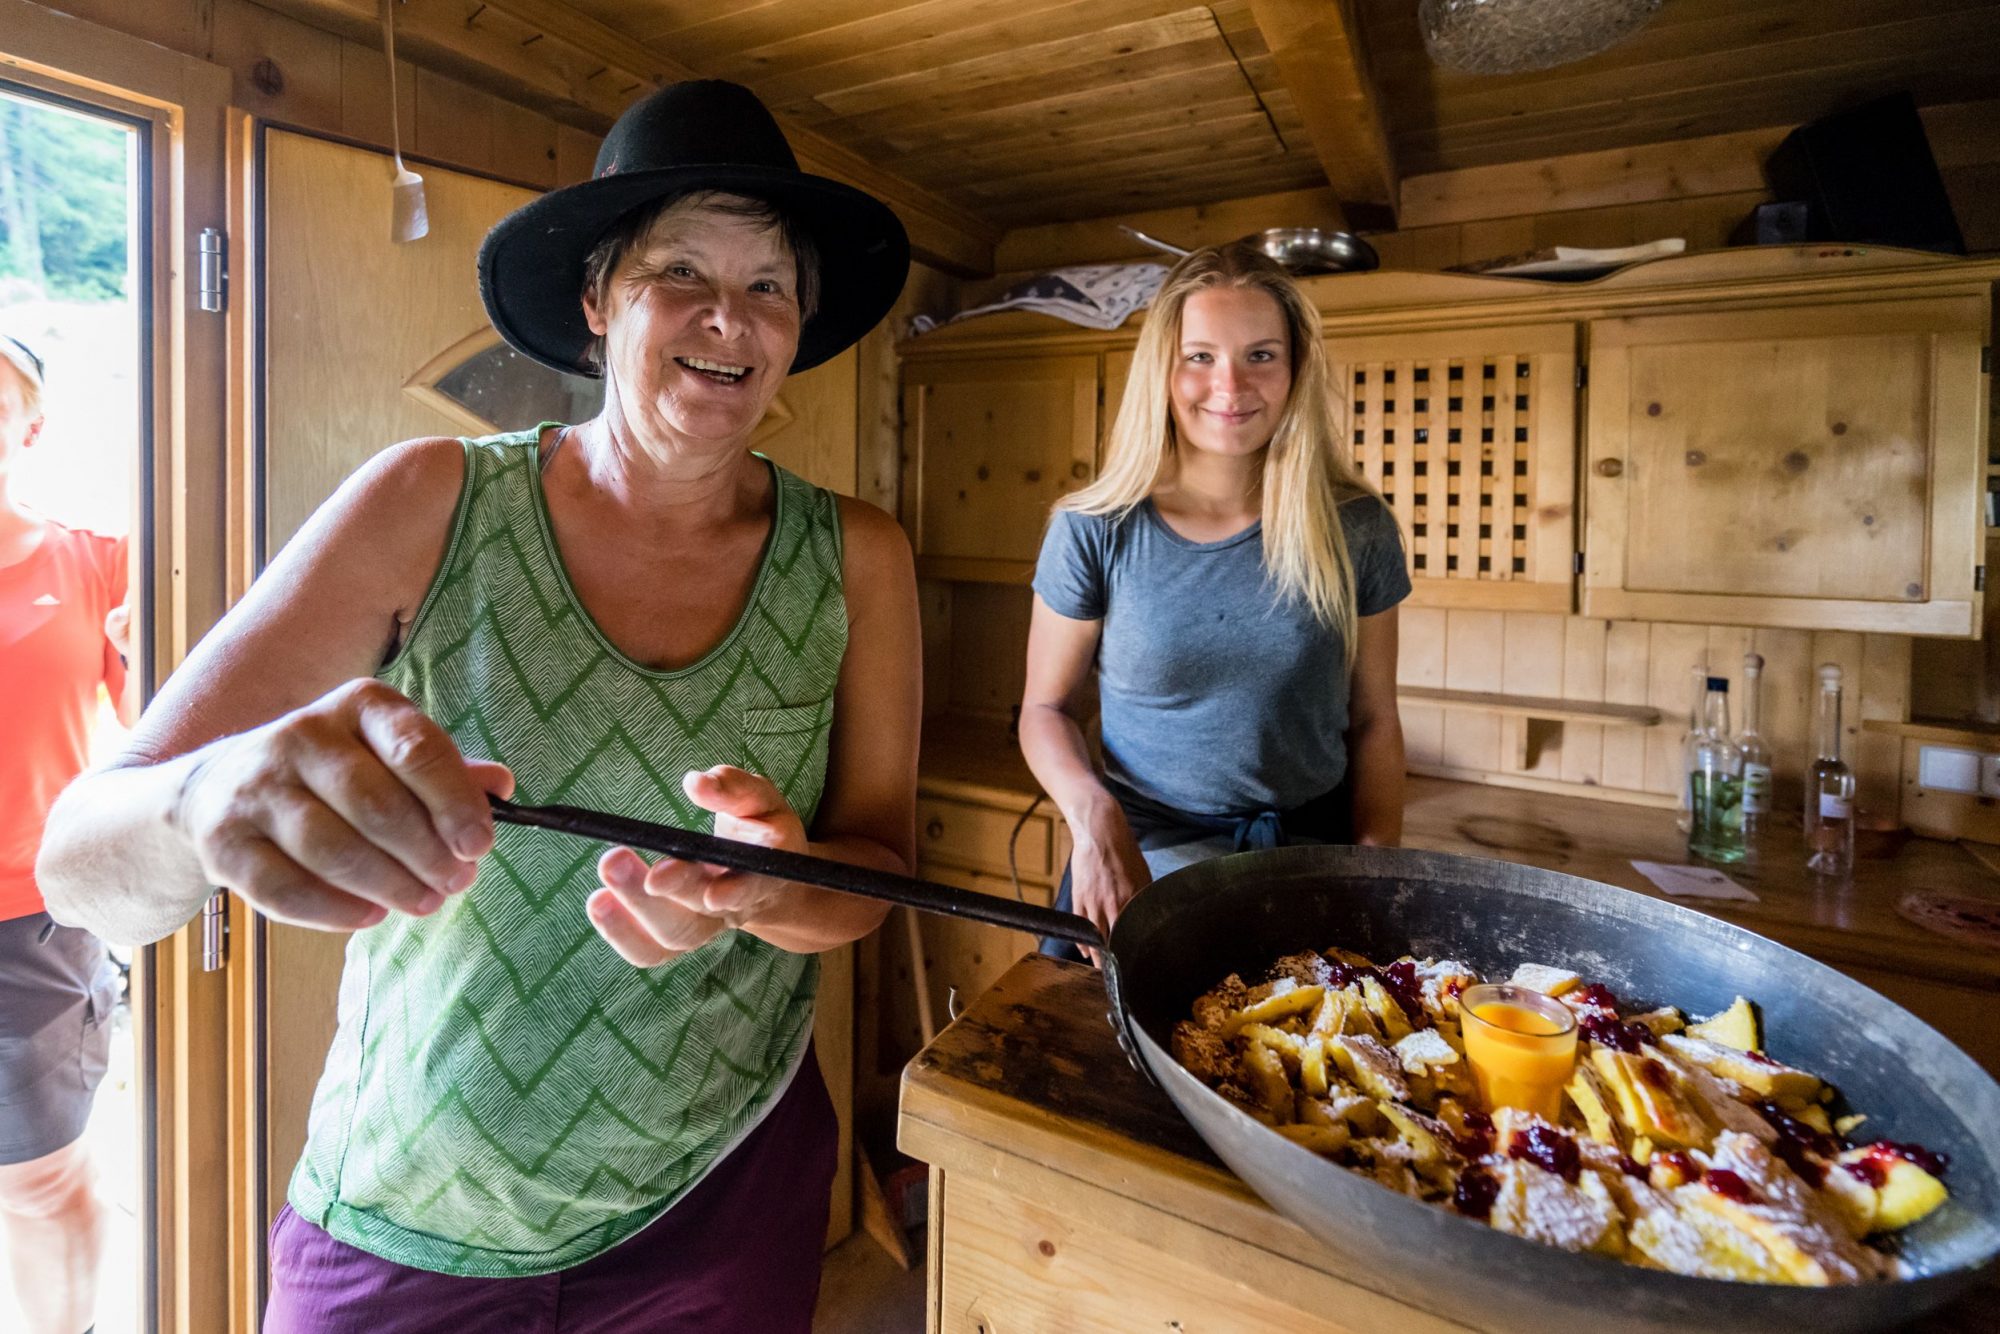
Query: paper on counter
[1693, 882]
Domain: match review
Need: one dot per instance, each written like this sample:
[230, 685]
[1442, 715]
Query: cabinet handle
[1610, 467]
[935, 829]
[1079, 470]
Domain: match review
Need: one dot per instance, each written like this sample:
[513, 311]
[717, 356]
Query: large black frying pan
[1237, 914]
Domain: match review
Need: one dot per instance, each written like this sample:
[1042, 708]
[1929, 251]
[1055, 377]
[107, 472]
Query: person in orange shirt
[64, 632]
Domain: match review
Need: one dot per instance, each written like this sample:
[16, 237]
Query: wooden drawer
[964, 958]
[1036, 1265]
[972, 834]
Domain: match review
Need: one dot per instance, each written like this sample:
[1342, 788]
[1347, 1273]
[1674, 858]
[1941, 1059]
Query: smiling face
[1233, 375]
[700, 322]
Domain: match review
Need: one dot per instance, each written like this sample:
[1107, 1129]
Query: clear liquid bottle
[1755, 754]
[1715, 783]
[1683, 812]
[1829, 807]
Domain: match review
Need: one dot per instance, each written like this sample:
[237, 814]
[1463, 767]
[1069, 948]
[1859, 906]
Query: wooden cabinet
[964, 837]
[1470, 435]
[1117, 373]
[985, 837]
[1774, 436]
[989, 445]
[1806, 465]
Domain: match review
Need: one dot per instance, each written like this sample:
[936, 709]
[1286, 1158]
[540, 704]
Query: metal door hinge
[1576, 564]
[1979, 578]
[1582, 375]
[215, 932]
[212, 287]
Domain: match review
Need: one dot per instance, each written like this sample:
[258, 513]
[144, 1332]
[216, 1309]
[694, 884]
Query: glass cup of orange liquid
[1522, 1046]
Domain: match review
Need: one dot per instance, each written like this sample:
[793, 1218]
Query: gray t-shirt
[1218, 697]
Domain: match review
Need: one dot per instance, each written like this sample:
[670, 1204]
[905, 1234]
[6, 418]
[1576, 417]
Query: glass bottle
[1715, 783]
[1755, 754]
[1829, 811]
[1683, 818]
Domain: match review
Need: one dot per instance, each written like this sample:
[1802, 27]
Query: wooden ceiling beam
[1317, 48]
[586, 73]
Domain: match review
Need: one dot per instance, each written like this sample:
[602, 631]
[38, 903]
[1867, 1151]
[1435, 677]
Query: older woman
[566, 1093]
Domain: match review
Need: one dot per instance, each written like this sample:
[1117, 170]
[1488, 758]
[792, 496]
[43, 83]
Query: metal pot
[1302, 250]
[1238, 914]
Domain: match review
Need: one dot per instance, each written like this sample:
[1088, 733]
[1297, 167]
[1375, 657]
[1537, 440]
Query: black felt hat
[699, 135]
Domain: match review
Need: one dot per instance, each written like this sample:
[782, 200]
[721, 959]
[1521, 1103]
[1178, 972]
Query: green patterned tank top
[505, 1095]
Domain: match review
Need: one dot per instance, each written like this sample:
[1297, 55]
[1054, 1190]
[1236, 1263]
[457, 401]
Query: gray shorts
[56, 998]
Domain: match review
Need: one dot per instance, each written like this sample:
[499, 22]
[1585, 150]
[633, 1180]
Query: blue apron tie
[1258, 832]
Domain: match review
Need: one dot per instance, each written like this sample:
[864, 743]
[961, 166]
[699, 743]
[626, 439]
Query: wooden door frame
[181, 1014]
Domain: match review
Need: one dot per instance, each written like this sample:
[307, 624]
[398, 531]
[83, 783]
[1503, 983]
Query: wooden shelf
[1533, 706]
[1972, 735]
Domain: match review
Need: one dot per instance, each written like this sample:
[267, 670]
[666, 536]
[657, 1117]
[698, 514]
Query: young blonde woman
[1231, 582]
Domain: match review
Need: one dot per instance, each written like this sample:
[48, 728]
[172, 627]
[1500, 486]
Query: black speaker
[1868, 176]
[1774, 224]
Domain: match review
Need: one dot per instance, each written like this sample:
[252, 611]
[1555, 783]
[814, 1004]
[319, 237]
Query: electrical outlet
[1989, 775]
[1949, 769]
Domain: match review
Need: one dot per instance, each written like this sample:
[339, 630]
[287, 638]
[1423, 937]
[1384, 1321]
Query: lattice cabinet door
[1805, 466]
[1471, 436]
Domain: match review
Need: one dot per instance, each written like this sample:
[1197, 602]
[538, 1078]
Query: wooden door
[177, 107]
[1471, 437]
[1813, 466]
[989, 446]
[362, 337]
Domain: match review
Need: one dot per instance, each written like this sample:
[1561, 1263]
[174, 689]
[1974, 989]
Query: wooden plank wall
[1637, 662]
[298, 75]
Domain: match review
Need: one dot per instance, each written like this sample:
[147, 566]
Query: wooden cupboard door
[989, 446]
[1470, 434]
[1117, 371]
[333, 396]
[1811, 466]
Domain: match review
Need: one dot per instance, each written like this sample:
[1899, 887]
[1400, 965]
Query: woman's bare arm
[1375, 763]
[264, 748]
[1106, 868]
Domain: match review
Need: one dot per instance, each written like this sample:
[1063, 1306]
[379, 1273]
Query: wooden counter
[1067, 1194]
[1949, 982]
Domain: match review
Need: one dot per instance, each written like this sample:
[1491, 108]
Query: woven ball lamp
[1516, 36]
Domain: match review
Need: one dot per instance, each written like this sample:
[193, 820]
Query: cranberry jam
[1549, 1149]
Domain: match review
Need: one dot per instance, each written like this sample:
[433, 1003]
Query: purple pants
[739, 1254]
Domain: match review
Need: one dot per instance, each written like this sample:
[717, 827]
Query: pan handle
[825, 873]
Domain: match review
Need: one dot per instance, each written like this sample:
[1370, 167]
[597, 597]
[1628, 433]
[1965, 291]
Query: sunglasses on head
[29, 353]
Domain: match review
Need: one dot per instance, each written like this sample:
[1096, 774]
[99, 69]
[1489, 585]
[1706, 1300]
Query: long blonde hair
[1307, 470]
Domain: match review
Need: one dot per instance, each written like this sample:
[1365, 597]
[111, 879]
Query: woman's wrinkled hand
[341, 812]
[651, 914]
[1106, 870]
